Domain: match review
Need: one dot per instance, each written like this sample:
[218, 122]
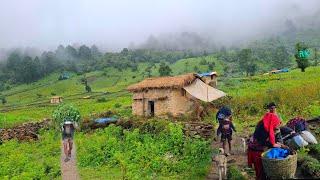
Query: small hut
[175, 95]
[56, 100]
[209, 78]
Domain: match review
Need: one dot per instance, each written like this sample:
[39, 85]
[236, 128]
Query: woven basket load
[280, 168]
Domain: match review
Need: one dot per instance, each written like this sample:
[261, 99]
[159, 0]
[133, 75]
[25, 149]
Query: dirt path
[238, 158]
[69, 169]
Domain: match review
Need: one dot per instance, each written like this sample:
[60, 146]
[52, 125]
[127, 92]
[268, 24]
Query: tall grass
[31, 160]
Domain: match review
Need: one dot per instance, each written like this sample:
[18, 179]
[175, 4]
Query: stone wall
[181, 103]
[27, 131]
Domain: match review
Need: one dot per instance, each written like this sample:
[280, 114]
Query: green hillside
[30, 102]
[296, 93]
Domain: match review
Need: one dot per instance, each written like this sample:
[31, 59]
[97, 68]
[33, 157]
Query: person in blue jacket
[223, 112]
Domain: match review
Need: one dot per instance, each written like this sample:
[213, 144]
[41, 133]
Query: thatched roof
[163, 82]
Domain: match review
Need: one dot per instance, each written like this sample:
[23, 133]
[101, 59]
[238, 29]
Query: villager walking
[223, 112]
[225, 129]
[68, 129]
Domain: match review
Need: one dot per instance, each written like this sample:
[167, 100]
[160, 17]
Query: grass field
[296, 93]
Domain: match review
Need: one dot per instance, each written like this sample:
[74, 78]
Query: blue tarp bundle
[284, 70]
[277, 153]
[106, 120]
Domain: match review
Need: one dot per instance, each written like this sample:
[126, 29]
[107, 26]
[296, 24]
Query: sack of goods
[297, 142]
[307, 136]
[279, 163]
[298, 124]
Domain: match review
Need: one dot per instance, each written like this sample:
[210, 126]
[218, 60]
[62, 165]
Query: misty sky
[48, 23]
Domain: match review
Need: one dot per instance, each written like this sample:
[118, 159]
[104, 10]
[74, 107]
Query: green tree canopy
[247, 62]
[164, 69]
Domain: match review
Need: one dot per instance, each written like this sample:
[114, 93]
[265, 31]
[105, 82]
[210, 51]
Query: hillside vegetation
[30, 102]
[117, 153]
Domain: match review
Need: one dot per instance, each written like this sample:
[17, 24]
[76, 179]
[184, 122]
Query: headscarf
[270, 122]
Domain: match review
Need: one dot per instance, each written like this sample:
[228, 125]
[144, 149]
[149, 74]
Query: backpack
[298, 124]
[222, 113]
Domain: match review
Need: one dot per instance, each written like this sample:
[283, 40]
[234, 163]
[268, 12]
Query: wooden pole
[143, 103]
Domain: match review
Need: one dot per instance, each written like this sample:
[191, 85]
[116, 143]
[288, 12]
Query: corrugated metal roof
[207, 74]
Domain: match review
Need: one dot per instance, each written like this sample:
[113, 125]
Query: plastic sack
[307, 136]
[299, 141]
[277, 153]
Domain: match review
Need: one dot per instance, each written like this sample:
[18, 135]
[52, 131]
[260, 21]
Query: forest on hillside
[262, 55]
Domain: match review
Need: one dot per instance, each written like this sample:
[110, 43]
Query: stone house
[174, 95]
[56, 100]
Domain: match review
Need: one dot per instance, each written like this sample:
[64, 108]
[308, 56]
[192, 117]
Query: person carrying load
[68, 128]
[223, 112]
[264, 137]
[226, 128]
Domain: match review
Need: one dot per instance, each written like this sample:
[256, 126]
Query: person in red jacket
[264, 137]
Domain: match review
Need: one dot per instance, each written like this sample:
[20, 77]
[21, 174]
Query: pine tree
[164, 70]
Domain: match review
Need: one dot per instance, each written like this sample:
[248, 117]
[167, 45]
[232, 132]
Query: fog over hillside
[180, 24]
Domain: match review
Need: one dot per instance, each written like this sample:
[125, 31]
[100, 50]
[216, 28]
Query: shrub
[302, 155]
[3, 99]
[117, 105]
[234, 173]
[168, 154]
[102, 99]
[36, 160]
[203, 62]
[311, 167]
[65, 112]
[315, 151]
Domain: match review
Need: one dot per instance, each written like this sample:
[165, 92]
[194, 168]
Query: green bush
[65, 112]
[302, 155]
[31, 160]
[117, 105]
[140, 154]
[315, 151]
[311, 167]
[234, 173]
[102, 99]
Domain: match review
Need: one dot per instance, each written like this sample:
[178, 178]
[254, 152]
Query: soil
[238, 157]
[24, 132]
[69, 168]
